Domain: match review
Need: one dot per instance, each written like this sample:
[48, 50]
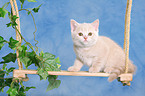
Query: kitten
[100, 53]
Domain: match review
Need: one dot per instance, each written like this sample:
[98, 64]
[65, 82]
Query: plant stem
[14, 80]
[5, 5]
[29, 44]
[35, 28]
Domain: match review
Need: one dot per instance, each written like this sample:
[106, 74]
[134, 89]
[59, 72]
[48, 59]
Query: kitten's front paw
[74, 69]
[94, 69]
[108, 70]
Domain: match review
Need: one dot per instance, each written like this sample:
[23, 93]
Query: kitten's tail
[119, 70]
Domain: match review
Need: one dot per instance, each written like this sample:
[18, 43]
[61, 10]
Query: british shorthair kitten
[100, 53]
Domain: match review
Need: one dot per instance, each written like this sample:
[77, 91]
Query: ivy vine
[28, 55]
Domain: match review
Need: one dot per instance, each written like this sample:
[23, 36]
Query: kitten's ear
[96, 24]
[73, 24]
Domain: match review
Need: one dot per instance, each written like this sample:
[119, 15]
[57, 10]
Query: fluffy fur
[100, 53]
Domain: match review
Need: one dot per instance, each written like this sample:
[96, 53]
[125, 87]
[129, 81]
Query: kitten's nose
[85, 38]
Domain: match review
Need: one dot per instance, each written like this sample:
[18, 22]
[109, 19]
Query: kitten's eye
[80, 34]
[90, 34]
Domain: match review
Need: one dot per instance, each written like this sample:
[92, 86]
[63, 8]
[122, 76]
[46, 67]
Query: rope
[18, 37]
[18, 22]
[127, 33]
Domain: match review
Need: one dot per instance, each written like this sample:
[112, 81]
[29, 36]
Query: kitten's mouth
[85, 40]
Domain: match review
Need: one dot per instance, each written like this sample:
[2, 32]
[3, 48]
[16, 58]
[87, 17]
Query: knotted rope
[18, 37]
[127, 33]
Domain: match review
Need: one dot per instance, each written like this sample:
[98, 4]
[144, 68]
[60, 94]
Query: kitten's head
[84, 34]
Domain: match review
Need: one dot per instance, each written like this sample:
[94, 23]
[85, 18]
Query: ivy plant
[28, 55]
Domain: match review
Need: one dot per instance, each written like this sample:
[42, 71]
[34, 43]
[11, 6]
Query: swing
[124, 78]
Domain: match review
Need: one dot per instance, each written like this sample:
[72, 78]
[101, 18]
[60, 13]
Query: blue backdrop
[54, 36]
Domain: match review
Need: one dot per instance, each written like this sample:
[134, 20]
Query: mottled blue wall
[53, 23]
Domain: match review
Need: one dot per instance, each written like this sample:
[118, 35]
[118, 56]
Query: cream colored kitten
[98, 52]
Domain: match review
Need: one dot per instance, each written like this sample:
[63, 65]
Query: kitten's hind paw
[74, 69]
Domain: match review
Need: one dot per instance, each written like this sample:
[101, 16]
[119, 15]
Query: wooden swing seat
[126, 77]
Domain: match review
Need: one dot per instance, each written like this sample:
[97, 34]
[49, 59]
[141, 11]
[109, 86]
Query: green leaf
[22, 91]
[1, 39]
[13, 20]
[9, 15]
[48, 67]
[28, 88]
[57, 60]
[1, 45]
[10, 69]
[2, 74]
[22, 1]
[13, 43]
[2, 89]
[4, 66]
[31, 0]
[2, 42]
[53, 84]
[36, 9]
[29, 12]
[48, 56]
[51, 65]
[15, 17]
[33, 58]
[49, 62]
[14, 24]
[9, 24]
[41, 54]
[52, 77]
[15, 85]
[22, 48]
[8, 58]
[12, 91]
[8, 81]
[3, 12]
[42, 73]
[25, 60]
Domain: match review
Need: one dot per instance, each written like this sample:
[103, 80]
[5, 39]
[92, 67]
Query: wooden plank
[21, 74]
